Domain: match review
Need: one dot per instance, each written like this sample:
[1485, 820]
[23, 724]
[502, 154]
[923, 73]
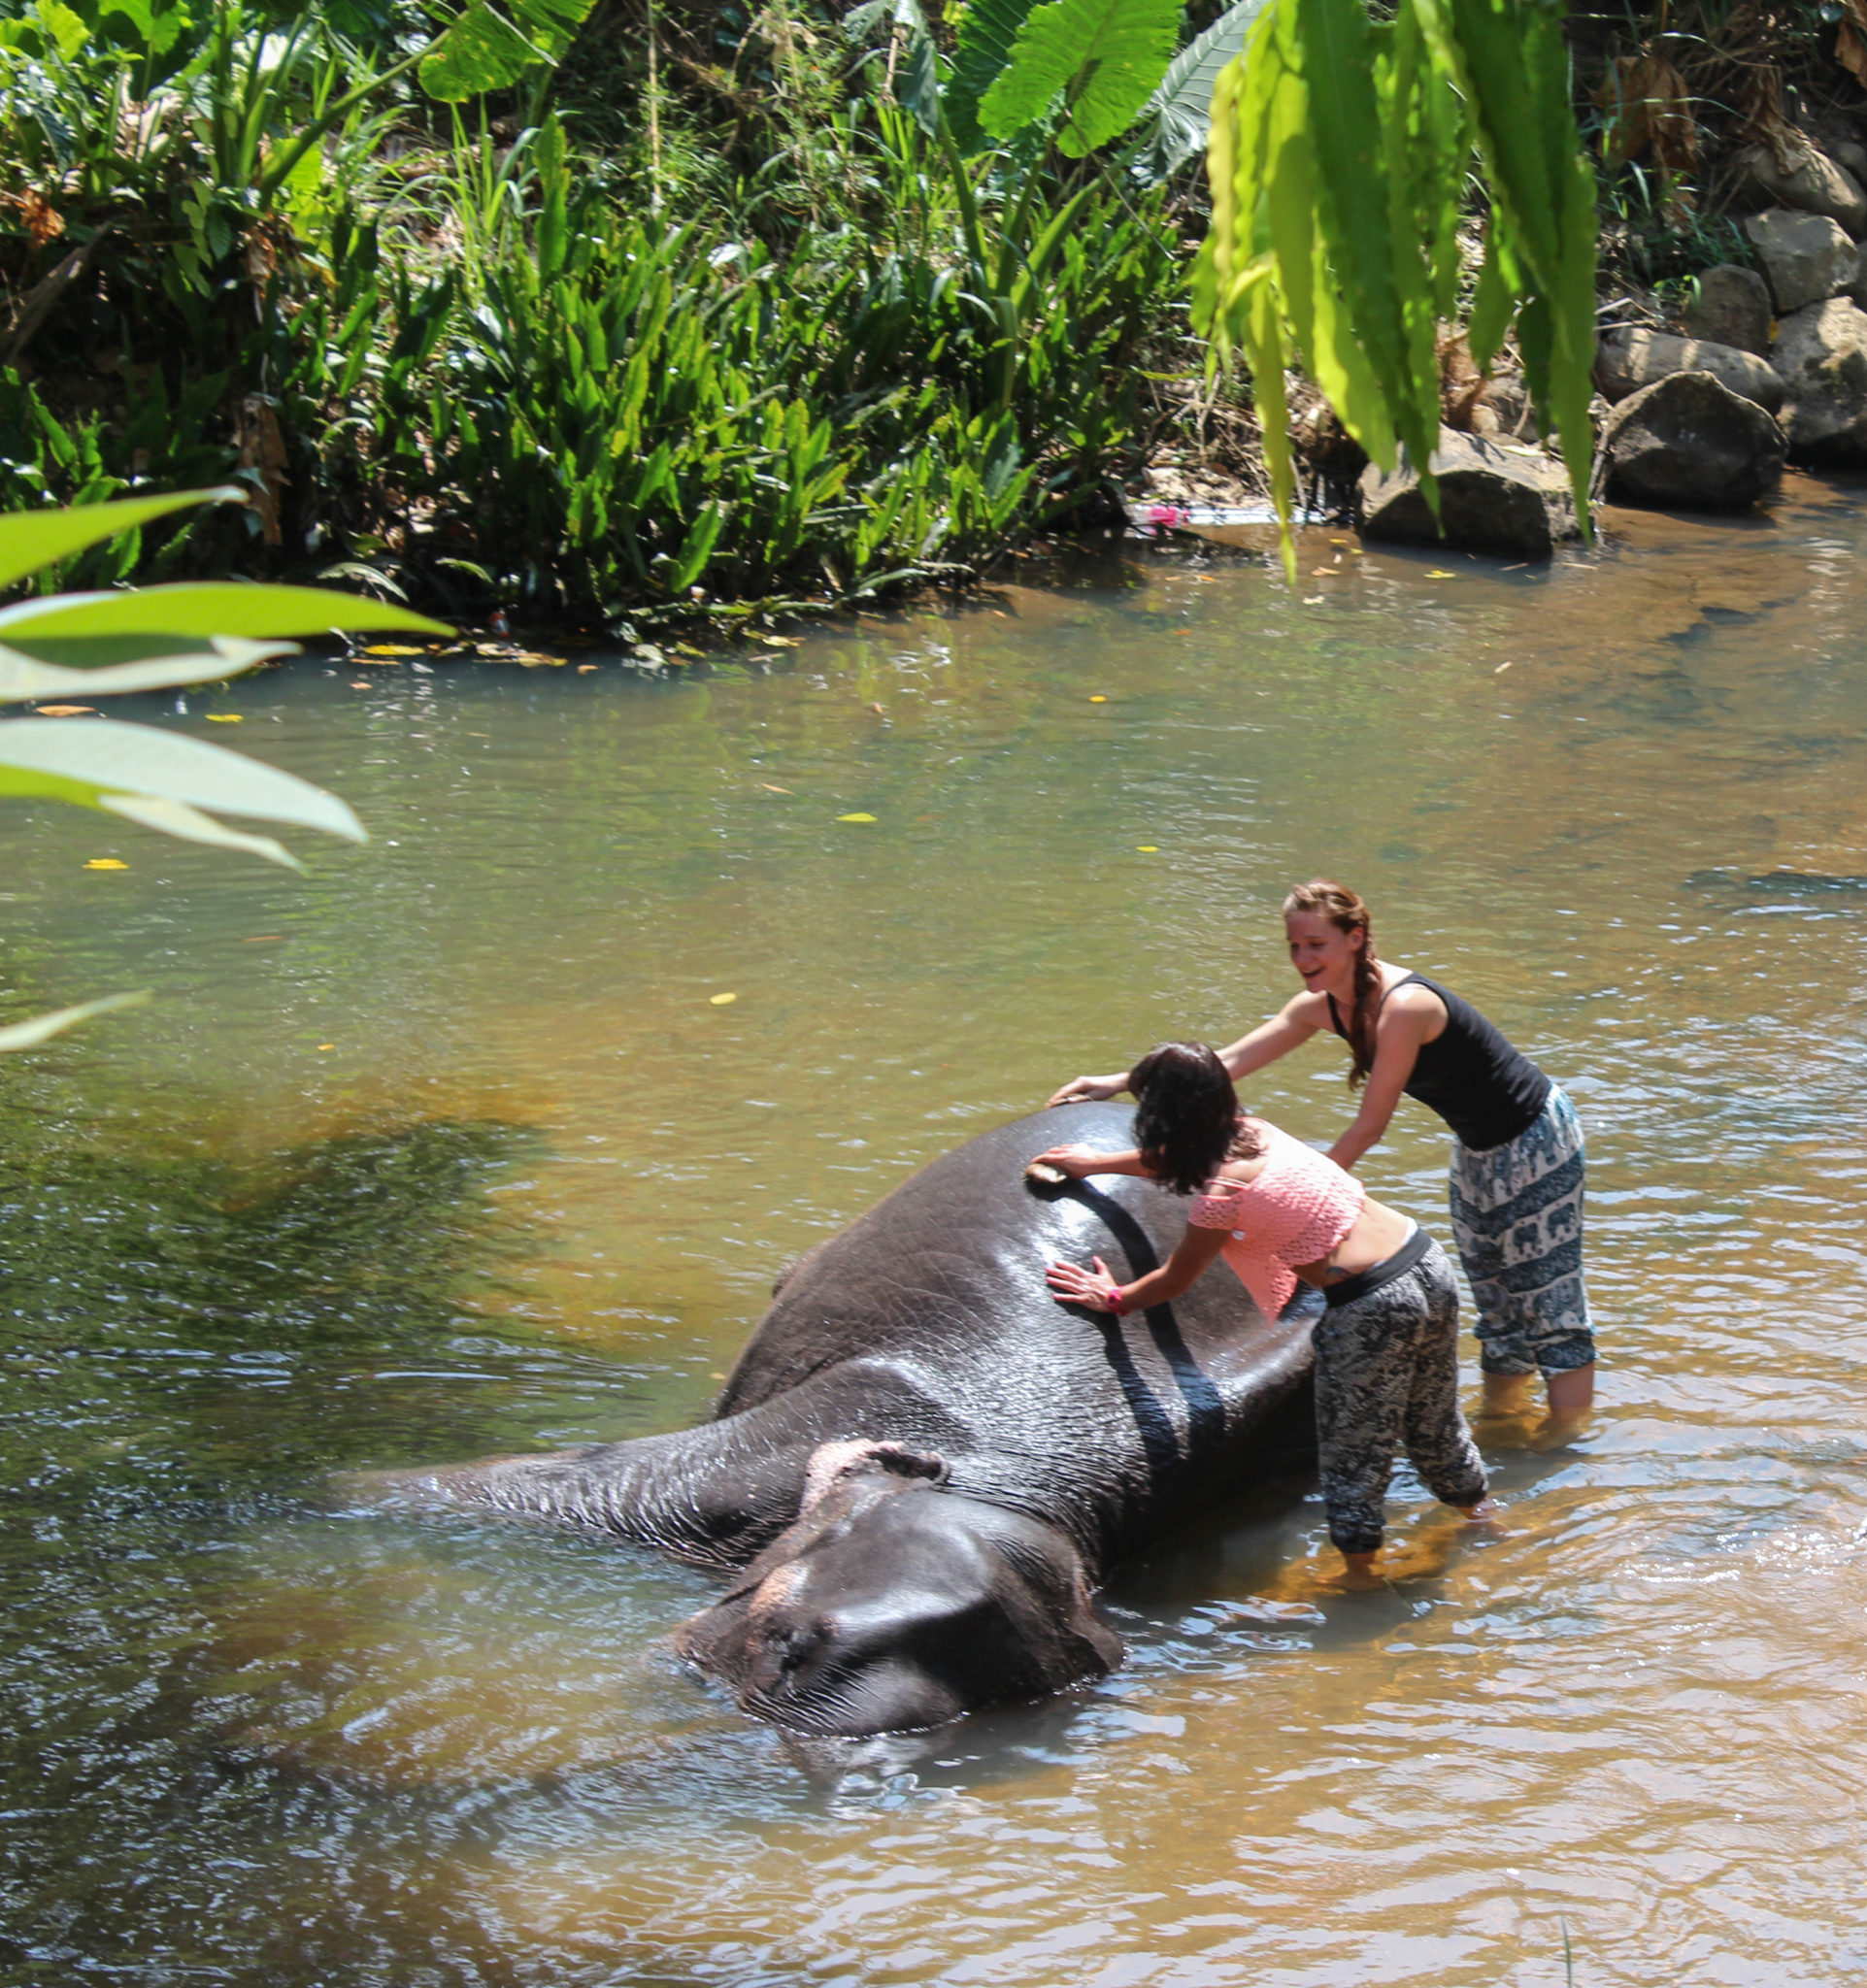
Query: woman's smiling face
[1324, 956]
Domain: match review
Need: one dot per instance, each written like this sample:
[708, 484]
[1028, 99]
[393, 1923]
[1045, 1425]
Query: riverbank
[708, 327]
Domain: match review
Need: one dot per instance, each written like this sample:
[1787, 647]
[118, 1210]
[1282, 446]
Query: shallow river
[451, 1147]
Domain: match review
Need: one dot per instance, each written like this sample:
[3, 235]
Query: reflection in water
[254, 1738]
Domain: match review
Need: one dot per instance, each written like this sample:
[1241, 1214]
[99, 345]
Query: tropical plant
[102, 645]
[1340, 147]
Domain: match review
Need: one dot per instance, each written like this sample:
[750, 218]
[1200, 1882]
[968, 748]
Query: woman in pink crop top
[1386, 1348]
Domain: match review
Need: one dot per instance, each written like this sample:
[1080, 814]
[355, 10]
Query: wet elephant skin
[922, 1461]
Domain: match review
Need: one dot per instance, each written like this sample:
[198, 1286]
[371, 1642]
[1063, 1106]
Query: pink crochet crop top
[1296, 1210]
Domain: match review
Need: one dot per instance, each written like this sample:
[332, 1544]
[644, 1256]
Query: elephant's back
[1106, 1427]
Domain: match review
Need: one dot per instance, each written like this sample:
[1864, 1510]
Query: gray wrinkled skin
[925, 1463]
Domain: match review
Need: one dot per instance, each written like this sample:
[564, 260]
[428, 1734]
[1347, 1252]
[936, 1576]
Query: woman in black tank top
[1518, 1157]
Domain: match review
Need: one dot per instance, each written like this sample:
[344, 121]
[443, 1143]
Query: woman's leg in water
[1367, 1354]
[1518, 1219]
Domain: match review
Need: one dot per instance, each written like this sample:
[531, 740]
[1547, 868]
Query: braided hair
[1346, 912]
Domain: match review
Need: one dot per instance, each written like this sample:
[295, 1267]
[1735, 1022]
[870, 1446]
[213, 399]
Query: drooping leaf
[1181, 107]
[1106, 58]
[1339, 155]
[84, 763]
[28, 1035]
[202, 608]
[33, 538]
[190, 825]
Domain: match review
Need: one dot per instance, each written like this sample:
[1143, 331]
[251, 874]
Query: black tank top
[1485, 1090]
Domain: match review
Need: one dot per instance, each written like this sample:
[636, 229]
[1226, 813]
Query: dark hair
[1346, 912]
[1187, 1121]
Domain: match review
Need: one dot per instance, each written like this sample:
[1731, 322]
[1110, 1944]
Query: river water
[452, 1147]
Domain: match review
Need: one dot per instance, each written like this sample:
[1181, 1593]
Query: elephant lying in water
[921, 1462]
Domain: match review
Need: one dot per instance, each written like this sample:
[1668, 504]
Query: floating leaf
[226, 717]
[1440, 573]
[770, 789]
[1146, 849]
[722, 1000]
[66, 711]
[391, 648]
[105, 863]
[1098, 700]
[856, 817]
[28, 1035]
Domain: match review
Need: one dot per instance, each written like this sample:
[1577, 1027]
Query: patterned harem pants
[1386, 1378]
[1517, 1217]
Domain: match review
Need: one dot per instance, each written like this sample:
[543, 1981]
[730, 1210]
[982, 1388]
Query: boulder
[1494, 497]
[1805, 256]
[1822, 353]
[1627, 360]
[1857, 290]
[1730, 305]
[1811, 182]
[1688, 439]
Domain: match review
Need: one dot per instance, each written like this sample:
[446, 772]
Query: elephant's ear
[831, 1463]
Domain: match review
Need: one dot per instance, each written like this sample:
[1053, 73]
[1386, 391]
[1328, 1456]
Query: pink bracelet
[1115, 1301]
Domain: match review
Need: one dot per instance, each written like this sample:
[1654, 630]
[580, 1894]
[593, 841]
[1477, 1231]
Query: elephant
[921, 1465]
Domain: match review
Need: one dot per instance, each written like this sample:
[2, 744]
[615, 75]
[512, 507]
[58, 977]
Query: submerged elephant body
[924, 1462]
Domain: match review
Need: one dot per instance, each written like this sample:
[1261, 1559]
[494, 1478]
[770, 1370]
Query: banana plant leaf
[33, 538]
[201, 609]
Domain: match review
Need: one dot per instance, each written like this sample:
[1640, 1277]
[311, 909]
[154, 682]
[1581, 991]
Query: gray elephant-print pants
[1386, 1379]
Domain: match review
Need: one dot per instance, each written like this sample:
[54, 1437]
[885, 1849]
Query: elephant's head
[895, 1604]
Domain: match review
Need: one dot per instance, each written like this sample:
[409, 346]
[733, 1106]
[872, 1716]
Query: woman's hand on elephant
[1078, 1161]
[1071, 1284]
[1089, 1090]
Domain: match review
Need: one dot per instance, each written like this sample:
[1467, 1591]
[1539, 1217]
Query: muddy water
[453, 1147]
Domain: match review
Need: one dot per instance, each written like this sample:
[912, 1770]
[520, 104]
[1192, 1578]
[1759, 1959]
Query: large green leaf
[982, 48]
[152, 664]
[489, 47]
[33, 538]
[1107, 56]
[28, 1035]
[1181, 107]
[202, 608]
[1339, 156]
[163, 779]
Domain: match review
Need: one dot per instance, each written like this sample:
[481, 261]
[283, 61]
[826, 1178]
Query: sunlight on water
[450, 1148]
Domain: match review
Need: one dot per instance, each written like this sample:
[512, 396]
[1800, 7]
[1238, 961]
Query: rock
[1812, 183]
[1625, 361]
[1859, 288]
[1493, 498]
[1502, 409]
[1822, 353]
[1805, 256]
[1730, 305]
[1688, 439]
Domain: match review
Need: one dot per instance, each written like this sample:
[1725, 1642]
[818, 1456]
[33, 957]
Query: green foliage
[1103, 57]
[109, 642]
[1339, 158]
[1179, 116]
